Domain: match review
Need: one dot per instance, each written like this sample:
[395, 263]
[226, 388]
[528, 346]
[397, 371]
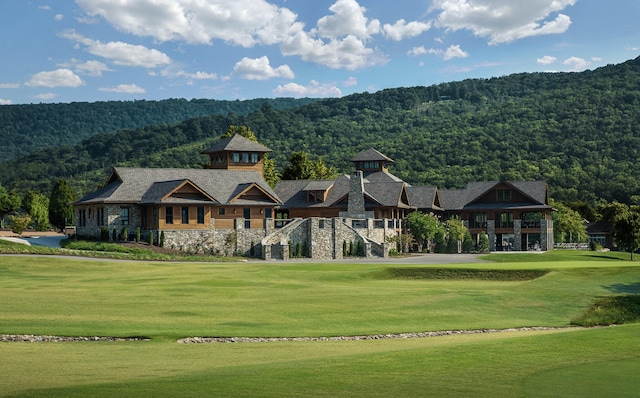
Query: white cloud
[124, 88]
[350, 82]
[503, 21]
[91, 68]
[339, 40]
[416, 51]
[314, 89]
[576, 64]
[348, 19]
[44, 7]
[45, 96]
[239, 22]
[59, 17]
[402, 29]
[547, 60]
[57, 78]
[9, 85]
[454, 51]
[121, 53]
[5, 101]
[198, 75]
[260, 69]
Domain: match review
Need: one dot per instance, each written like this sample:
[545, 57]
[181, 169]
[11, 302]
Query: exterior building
[229, 208]
[223, 209]
[515, 214]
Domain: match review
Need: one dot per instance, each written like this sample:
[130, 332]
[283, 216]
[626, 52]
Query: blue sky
[99, 50]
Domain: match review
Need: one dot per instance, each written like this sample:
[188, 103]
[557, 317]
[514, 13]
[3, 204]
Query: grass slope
[169, 300]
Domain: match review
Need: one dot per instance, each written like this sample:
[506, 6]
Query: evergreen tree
[60, 208]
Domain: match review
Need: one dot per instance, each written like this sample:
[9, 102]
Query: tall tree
[627, 229]
[37, 206]
[60, 208]
[423, 227]
[455, 231]
[301, 167]
[568, 225]
[9, 201]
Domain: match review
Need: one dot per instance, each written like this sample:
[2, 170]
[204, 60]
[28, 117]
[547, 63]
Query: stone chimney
[355, 207]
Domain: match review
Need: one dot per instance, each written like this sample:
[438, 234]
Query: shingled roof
[135, 185]
[237, 143]
[459, 199]
[370, 155]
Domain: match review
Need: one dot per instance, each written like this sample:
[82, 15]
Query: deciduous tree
[60, 208]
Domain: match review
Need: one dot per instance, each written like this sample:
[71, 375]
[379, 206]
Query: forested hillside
[28, 128]
[579, 131]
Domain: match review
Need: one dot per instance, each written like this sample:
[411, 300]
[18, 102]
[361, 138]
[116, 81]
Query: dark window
[504, 220]
[221, 211]
[245, 157]
[254, 158]
[247, 217]
[320, 224]
[124, 215]
[185, 215]
[503, 195]
[145, 217]
[168, 217]
[200, 214]
[477, 220]
[268, 213]
[155, 216]
[236, 157]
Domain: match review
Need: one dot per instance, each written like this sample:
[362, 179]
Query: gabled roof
[459, 199]
[237, 143]
[131, 185]
[370, 155]
[424, 197]
[161, 192]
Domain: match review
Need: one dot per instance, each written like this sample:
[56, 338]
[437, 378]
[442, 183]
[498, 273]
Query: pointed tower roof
[370, 155]
[237, 143]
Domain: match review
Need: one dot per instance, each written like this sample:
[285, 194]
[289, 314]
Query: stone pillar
[517, 235]
[266, 252]
[356, 193]
[491, 231]
[367, 250]
[546, 235]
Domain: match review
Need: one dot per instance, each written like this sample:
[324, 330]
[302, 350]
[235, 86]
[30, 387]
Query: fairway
[168, 301]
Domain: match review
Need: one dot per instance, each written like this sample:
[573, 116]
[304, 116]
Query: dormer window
[503, 195]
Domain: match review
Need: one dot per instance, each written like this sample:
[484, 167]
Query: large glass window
[254, 158]
[477, 220]
[185, 215]
[200, 214]
[504, 220]
[236, 157]
[168, 216]
[124, 215]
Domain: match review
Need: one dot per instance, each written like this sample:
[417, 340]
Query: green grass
[169, 300]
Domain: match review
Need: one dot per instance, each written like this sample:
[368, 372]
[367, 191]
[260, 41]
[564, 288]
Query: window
[321, 224]
[245, 157]
[100, 216]
[503, 195]
[200, 214]
[185, 215]
[268, 213]
[477, 220]
[236, 157]
[124, 215]
[168, 216]
[155, 216]
[504, 220]
[254, 158]
[221, 211]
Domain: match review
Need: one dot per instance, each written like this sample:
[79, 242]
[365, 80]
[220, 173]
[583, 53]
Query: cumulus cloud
[504, 21]
[576, 64]
[341, 39]
[454, 51]
[547, 60]
[91, 68]
[416, 51]
[313, 89]
[124, 88]
[5, 101]
[121, 53]
[260, 69]
[401, 29]
[57, 78]
[59, 17]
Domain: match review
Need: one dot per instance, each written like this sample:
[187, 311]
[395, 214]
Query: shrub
[124, 233]
[467, 243]
[298, 250]
[104, 234]
[114, 235]
[483, 243]
[305, 249]
[150, 238]
[252, 250]
[19, 224]
[351, 248]
[137, 234]
[360, 249]
[162, 239]
[611, 311]
[344, 248]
